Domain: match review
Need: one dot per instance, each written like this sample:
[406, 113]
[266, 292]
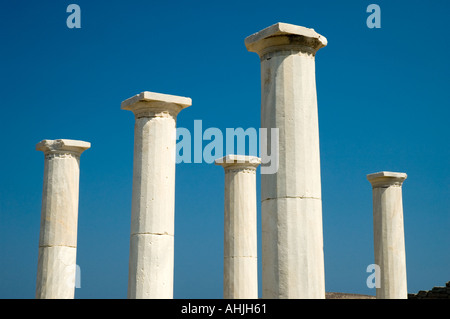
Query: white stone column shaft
[292, 234]
[151, 263]
[240, 279]
[59, 218]
[389, 236]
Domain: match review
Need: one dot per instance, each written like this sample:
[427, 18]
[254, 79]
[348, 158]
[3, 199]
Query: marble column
[151, 262]
[240, 277]
[59, 218]
[291, 209]
[389, 235]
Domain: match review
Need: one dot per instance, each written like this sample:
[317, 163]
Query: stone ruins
[291, 207]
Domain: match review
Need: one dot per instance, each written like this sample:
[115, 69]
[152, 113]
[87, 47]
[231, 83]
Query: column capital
[150, 104]
[62, 146]
[238, 162]
[386, 179]
[284, 36]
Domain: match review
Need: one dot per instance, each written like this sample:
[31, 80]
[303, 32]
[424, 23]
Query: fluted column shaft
[59, 219]
[389, 235]
[240, 279]
[151, 263]
[292, 235]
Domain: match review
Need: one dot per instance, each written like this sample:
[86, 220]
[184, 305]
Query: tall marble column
[389, 235]
[240, 279]
[151, 261]
[59, 218]
[292, 235]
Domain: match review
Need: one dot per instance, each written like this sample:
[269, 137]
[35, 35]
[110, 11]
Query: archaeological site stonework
[435, 293]
[291, 208]
[240, 275]
[59, 218]
[389, 237]
[291, 201]
[153, 198]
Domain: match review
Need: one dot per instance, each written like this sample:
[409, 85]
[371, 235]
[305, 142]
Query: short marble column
[389, 235]
[151, 263]
[291, 209]
[240, 277]
[59, 218]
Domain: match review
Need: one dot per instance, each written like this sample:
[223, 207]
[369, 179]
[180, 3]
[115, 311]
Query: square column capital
[150, 104]
[63, 145]
[238, 161]
[386, 179]
[284, 36]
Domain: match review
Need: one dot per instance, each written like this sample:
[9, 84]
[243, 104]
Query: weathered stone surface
[240, 228]
[285, 36]
[144, 99]
[389, 237]
[434, 293]
[73, 147]
[153, 275]
[342, 295]
[291, 198]
[294, 262]
[59, 218]
[56, 272]
[153, 197]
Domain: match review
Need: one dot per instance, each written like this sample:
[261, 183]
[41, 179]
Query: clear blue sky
[383, 98]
